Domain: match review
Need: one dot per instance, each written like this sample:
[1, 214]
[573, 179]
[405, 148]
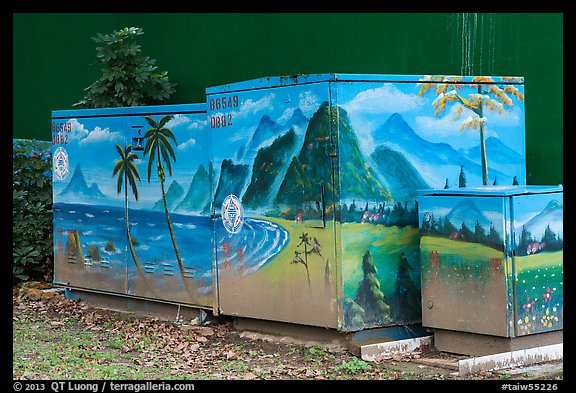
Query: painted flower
[525, 325]
[529, 306]
[548, 319]
[548, 295]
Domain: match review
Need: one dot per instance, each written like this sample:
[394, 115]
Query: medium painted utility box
[492, 260]
[315, 180]
[132, 198]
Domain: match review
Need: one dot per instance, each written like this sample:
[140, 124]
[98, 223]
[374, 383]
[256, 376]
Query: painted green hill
[401, 176]
[198, 194]
[357, 178]
[313, 167]
[232, 181]
[173, 195]
[269, 164]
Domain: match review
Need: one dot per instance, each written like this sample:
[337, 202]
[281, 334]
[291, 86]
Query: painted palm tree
[127, 173]
[159, 149]
[489, 96]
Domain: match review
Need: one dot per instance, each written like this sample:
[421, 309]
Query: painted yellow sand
[280, 289]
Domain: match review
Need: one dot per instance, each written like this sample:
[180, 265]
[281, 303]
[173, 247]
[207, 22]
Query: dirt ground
[58, 338]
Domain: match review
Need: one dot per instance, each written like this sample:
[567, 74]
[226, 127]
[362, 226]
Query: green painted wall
[54, 58]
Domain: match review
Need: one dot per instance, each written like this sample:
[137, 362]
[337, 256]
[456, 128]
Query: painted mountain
[173, 195]
[466, 211]
[78, 190]
[499, 155]
[267, 131]
[297, 121]
[357, 178]
[313, 168]
[551, 215]
[270, 167]
[233, 178]
[438, 161]
[401, 176]
[198, 195]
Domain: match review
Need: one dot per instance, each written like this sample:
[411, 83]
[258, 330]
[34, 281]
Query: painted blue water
[259, 240]
[256, 244]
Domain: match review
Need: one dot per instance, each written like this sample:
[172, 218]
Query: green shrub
[128, 77]
[32, 246]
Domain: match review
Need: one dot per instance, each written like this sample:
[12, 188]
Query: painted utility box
[315, 178]
[132, 197]
[492, 259]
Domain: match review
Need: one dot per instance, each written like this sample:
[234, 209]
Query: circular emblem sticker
[232, 214]
[60, 160]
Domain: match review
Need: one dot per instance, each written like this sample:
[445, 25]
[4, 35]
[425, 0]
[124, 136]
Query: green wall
[54, 58]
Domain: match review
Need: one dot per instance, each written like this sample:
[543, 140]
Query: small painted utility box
[131, 195]
[492, 266]
[315, 180]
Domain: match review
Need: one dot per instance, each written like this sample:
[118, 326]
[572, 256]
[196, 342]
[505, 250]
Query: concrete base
[474, 344]
[312, 335]
[300, 333]
[139, 306]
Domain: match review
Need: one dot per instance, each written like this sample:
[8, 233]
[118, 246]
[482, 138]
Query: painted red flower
[548, 295]
[529, 306]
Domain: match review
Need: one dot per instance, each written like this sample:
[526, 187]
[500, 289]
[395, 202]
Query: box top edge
[131, 110]
[492, 190]
[296, 79]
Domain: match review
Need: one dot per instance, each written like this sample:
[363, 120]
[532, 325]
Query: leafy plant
[128, 77]
[32, 246]
[354, 366]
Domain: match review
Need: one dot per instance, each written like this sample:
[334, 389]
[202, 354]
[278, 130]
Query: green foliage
[354, 366]
[109, 246]
[369, 296]
[31, 207]
[128, 77]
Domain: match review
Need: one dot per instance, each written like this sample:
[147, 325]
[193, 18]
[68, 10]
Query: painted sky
[92, 141]
[369, 104]
[278, 103]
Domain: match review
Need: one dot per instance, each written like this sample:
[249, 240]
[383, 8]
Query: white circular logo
[232, 214]
[60, 160]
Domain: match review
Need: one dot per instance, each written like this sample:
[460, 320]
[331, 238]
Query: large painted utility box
[315, 181]
[492, 260]
[132, 202]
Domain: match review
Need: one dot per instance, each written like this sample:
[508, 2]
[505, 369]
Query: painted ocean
[102, 225]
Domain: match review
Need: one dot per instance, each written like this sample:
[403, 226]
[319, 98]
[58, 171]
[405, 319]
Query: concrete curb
[374, 352]
[511, 359]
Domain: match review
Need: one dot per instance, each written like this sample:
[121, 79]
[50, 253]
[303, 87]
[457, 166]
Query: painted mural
[469, 269]
[129, 192]
[290, 202]
[539, 255]
[271, 176]
[434, 133]
[333, 169]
